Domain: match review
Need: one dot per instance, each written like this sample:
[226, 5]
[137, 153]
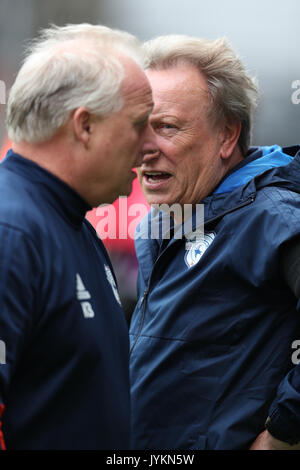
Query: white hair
[233, 93]
[66, 68]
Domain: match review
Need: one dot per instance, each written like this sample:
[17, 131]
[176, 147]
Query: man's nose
[149, 147]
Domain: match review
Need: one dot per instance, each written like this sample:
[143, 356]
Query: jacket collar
[263, 166]
[65, 200]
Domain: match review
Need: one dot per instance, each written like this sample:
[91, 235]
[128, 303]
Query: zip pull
[141, 301]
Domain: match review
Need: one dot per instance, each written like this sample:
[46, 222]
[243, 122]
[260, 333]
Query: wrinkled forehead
[182, 87]
[136, 91]
[134, 79]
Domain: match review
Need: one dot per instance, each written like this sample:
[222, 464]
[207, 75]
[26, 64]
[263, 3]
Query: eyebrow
[160, 115]
[164, 116]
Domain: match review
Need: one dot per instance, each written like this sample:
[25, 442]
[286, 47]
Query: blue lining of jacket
[262, 159]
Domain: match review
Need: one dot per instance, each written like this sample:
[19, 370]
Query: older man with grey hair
[214, 329]
[77, 115]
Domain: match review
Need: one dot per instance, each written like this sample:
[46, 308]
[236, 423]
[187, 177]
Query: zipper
[143, 299]
[239, 206]
[141, 302]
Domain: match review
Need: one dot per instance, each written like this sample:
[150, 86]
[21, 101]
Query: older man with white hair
[213, 332]
[77, 115]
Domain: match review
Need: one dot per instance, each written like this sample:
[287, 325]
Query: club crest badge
[111, 280]
[195, 249]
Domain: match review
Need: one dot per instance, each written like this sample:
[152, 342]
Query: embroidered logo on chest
[196, 249]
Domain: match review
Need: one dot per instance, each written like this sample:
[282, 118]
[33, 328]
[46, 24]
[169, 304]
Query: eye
[165, 125]
[165, 128]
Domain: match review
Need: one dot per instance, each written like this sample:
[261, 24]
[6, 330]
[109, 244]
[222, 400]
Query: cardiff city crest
[195, 249]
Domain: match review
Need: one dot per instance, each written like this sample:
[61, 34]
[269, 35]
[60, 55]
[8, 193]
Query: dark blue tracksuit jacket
[64, 383]
[213, 332]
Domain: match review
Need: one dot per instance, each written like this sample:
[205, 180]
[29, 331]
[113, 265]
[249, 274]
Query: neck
[53, 156]
[235, 159]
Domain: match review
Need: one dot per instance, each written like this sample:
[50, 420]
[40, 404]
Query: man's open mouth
[156, 176]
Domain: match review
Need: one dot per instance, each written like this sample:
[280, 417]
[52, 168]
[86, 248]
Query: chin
[158, 201]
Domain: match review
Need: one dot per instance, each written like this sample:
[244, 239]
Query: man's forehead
[133, 74]
[180, 77]
[166, 103]
[136, 88]
[177, 86]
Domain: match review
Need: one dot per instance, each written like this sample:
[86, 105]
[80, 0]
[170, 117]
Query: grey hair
[233, 93]
[66, 68]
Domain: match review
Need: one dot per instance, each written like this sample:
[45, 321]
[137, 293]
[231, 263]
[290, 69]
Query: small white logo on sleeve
[83, 295]
[87, 310]
[111, 280]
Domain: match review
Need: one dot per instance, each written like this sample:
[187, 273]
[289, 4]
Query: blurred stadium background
[264, 33]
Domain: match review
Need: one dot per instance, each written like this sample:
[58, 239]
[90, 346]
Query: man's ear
[230, 137]
[82, 121]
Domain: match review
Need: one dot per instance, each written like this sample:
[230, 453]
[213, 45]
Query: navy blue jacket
[212, 333]
[65, 381]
